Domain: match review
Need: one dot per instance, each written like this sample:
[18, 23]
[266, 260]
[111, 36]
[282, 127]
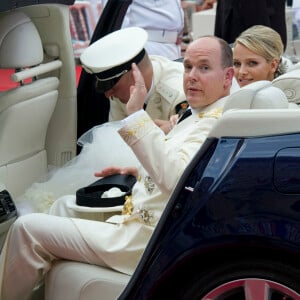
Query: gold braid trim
[214, 113]
[135, 128]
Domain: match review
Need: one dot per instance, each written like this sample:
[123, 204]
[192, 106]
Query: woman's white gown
[102, 147]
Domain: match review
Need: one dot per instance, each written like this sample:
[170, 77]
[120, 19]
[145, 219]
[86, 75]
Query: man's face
[121, 89]
[205, 80]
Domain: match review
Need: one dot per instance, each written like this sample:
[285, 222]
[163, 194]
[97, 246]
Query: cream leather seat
[258, 109]
[73, 280]
[257, 95]
[289, 83]
[25, 111]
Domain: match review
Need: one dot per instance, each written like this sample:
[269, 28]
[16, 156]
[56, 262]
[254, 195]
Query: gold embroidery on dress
[214, 113]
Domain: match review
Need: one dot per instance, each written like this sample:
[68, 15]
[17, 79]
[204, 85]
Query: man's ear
[228, 76]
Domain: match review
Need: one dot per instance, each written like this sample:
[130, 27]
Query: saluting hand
[138, 91]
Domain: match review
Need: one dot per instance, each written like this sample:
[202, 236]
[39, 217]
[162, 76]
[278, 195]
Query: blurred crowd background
[85, 13]
[199, 16]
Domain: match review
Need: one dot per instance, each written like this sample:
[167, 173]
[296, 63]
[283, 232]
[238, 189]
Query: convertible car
[231, 229]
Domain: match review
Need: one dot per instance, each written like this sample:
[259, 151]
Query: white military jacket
[121, 240]
[164, 158]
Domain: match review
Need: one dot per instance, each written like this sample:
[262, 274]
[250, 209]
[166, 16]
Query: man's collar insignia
[214, 113]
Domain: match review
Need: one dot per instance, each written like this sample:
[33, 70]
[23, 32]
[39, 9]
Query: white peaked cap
[114, 50]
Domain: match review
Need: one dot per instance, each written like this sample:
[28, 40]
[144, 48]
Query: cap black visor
[107, 79]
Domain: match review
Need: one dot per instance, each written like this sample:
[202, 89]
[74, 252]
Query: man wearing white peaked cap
[110, 59]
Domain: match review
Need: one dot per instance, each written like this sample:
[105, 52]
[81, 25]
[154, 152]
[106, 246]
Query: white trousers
[33, 242]
[36, 240]
[66, 207]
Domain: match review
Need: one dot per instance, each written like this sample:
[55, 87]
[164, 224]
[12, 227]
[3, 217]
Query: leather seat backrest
[20, 43]
[289, 83]
[257, 95]
[257, 109]
[25, 110]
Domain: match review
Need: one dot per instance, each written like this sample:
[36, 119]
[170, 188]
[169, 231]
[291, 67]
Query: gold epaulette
[214, 113]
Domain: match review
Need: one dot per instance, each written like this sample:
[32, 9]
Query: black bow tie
[186, 114]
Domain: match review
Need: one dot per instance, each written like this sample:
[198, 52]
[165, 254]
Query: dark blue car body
[234, 214]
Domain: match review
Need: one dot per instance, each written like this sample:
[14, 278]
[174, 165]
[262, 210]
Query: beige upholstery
[25, 111]
[289, 83]
[257, 95]
[257, 109]
[73, 280]
[20, 44]
[262, 122]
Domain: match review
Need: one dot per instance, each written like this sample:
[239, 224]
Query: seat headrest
[20, 43]
[289, 83]
[257, 95]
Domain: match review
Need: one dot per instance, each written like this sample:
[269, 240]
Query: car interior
[38, 125]
[38, 115]
[44, 69]
[24, 154]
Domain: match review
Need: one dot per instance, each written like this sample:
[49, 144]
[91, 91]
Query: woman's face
[250, 67]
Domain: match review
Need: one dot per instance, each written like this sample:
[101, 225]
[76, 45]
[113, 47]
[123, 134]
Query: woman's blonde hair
[265, 42]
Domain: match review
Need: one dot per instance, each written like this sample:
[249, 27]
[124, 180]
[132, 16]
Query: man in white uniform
[163, 77]
[164, 22]
[36, 241]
